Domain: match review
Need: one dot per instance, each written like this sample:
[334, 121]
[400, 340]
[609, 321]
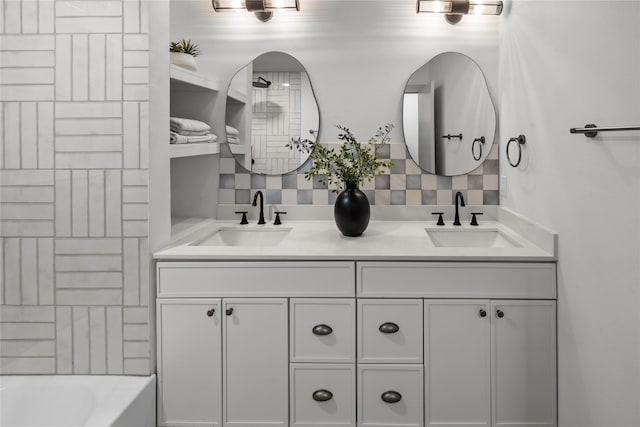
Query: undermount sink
[235, 236]
[465, 238]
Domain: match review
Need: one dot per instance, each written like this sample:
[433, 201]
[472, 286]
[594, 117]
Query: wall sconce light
[263, 9]
[455, 9]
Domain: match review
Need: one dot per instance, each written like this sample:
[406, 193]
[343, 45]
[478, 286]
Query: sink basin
[465, 238]
[235, 236]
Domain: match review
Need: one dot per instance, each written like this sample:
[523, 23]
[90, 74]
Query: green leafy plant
[185, 46]
[303, 145]
[352, 161]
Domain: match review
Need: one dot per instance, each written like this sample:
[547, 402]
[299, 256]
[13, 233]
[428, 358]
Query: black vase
[352, 211]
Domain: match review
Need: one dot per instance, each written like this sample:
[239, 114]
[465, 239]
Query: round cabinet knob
[391, 397]
[229, 311]
[389, 328]
[210, 312]
[322, 330]
[500, 314]
[483, 313]
[322, 395]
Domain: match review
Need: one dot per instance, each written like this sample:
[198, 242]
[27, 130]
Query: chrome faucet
[255, 200]
[456, 220]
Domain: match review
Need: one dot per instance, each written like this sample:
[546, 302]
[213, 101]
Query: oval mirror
[448, 118]
[270, 102]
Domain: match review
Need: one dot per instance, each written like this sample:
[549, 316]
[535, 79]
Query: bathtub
[77, 400]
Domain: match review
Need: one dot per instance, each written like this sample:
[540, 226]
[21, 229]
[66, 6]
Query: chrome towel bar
[590, 130]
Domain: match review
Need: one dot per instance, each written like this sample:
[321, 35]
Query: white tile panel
[86, 25]
[97, 67]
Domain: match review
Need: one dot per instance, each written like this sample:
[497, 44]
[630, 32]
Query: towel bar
[591, 130]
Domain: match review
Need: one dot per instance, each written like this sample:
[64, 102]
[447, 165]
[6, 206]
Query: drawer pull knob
[483, 313]
[322, 395]
[229, 311]
[389, 328]
[500, 314]
[391, 397]
[210, 312]
[322, 330]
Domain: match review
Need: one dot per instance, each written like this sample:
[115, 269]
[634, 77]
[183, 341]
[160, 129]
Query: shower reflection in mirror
[448, 118]
[271, 103]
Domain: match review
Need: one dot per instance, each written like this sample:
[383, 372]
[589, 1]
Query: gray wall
[564, 64]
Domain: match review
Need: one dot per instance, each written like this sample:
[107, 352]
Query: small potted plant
[346, 168]
[183, 53]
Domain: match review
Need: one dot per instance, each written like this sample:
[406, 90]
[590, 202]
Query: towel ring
[480, 142]
[520, 140]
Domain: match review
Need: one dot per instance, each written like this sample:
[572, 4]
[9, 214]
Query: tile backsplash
[405, 184]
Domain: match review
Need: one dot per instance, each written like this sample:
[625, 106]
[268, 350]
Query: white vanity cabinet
[481, 351]
[346, 343]
[488, 361]
[230, 366]
[229, 353]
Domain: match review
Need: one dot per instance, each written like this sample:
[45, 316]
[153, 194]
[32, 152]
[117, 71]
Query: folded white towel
[189, 132]
[188, 125]
[232, 131]
[233, 139]
[175, 138]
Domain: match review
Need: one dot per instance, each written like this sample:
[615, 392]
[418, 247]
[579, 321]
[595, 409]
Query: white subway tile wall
[275, 120]
[74, 187]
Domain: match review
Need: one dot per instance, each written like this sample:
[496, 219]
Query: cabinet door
[390, 395]
[390, 331]
[189, 362]
[323, 330]
[256, 385]
[323, 395]
[457, 363]
[523, 360]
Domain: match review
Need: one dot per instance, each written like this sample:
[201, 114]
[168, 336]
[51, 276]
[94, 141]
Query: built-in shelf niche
[194, 167]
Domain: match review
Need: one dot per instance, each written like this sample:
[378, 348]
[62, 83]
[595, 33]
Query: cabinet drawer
[390, 331]
[390, 395]
[256, 279]
[456, 280]
[323, 330]
[323, 395]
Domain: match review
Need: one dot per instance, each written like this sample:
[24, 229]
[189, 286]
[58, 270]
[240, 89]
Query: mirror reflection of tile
[405, 184]
[275, 120]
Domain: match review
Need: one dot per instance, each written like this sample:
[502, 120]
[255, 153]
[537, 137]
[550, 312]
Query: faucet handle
[440, 220]
[474, 221]
[277, 220]
[244, 217]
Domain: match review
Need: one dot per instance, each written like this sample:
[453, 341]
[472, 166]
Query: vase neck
[351, 185]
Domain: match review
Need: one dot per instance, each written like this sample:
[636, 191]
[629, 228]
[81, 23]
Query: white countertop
[383, 240]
